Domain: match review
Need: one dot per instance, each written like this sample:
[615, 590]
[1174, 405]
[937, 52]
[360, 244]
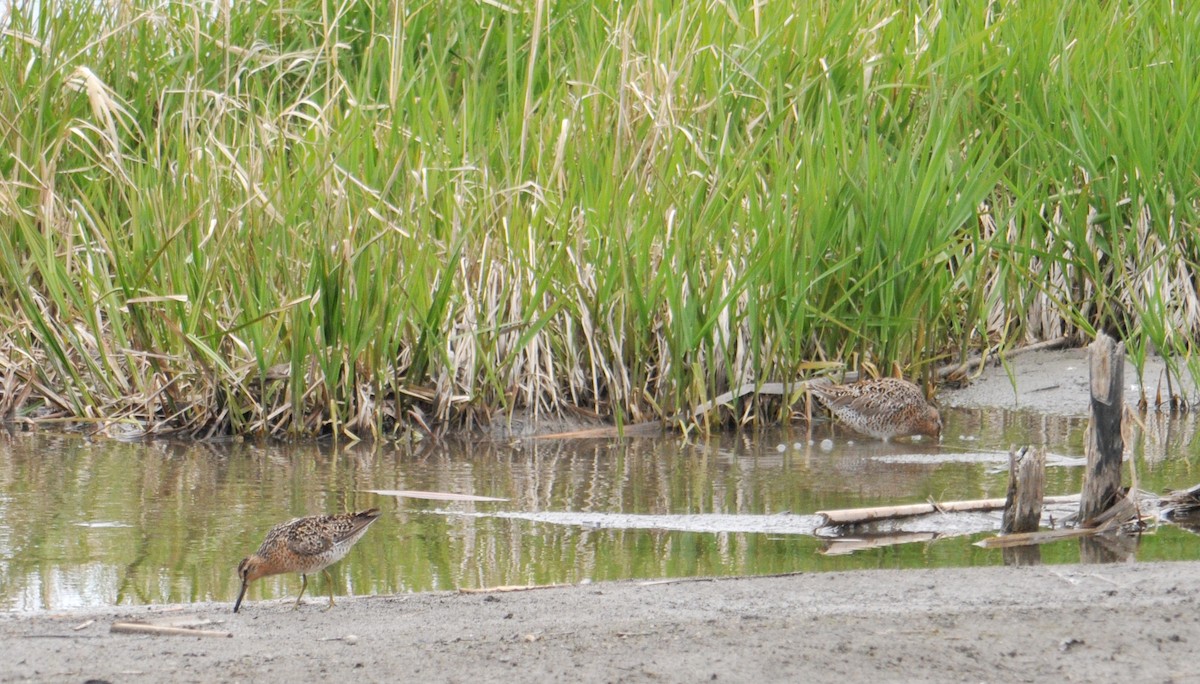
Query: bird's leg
[329, 581]
[303, 586]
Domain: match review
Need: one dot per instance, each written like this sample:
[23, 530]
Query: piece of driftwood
[1181, 505]
[159, 630]
[857, 516]
[1126, 511]
[1026, 487]
[774, 388]
[1123, 512]
[1103, 442]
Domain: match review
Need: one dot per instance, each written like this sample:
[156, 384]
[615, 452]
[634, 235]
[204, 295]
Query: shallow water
[102, 522]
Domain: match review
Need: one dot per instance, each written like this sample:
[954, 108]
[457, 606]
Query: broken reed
[241, 218]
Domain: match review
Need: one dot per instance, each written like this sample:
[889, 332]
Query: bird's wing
[845, 398]
[309, 537]
[349, 528]
[863, 405]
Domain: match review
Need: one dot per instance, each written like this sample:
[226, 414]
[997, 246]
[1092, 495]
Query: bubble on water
[827, 445]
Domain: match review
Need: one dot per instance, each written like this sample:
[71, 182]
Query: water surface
[85, 523]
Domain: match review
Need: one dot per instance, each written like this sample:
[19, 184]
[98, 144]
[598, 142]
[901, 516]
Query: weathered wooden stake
[1104, 445]
[1026, 487]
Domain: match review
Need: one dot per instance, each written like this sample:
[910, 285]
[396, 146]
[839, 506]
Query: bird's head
[931, 424]
[250, 569]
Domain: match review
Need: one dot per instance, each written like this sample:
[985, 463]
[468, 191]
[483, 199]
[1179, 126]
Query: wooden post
[1103, 442]
[1026, 487]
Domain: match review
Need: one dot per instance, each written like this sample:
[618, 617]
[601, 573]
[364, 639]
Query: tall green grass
[307, 217]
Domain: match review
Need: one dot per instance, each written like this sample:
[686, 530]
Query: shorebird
[305, 545]
[883, 408]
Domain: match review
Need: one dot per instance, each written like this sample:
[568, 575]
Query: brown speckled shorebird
[305, 545]
[883, 408]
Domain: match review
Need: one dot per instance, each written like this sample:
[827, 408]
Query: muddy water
[101, 522]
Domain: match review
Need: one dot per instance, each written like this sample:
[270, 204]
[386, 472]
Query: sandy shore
[1128, 622]
[1056, 382]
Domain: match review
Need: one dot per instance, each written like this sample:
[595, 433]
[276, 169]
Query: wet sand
[1128, 622]
[1056, 382]
[1131, 622]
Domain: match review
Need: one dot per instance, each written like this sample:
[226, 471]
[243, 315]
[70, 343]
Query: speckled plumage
[883, 408]
[305, 545]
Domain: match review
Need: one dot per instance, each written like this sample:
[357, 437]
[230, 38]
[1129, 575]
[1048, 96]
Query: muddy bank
[1057, 382]
[1048, 381]
[1128, 622]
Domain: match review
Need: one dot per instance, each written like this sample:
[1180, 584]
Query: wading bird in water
[305, 545]
[883, 408]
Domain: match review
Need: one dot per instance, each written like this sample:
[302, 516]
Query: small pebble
[350, 639]
[1067, 644]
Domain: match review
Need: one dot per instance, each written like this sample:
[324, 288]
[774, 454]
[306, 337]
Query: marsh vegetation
[314, 217]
